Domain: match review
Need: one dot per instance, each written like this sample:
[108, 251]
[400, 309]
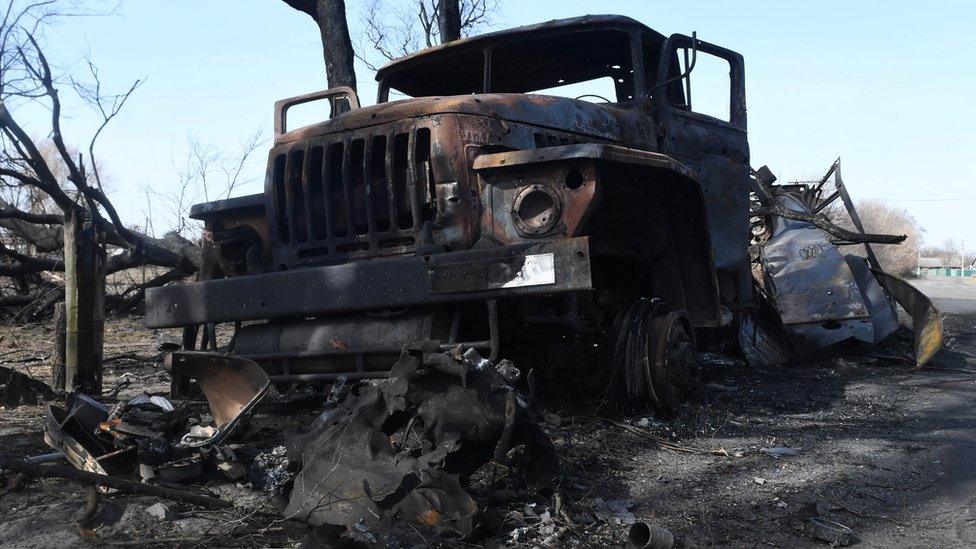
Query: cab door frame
[717, 150]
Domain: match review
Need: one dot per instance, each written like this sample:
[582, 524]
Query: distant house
[930, 266]
[940, 266]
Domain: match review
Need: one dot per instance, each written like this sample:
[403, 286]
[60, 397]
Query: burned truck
[549, 193]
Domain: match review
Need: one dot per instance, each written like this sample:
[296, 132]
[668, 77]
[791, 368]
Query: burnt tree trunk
[330, 16]
[336, 45]
[84, 285]
[449, 20]
[58, 359]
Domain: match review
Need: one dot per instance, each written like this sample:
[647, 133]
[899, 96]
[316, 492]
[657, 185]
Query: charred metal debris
[814, 296]
[444, 433]
[444, 436]
[147, 438]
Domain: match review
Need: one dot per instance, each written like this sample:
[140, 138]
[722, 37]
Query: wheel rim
[652, 356]
[675, 370]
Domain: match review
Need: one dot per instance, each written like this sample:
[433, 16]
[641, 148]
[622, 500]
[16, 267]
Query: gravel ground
[885, 449]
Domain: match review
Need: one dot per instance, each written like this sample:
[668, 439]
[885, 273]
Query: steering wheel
[605, 100]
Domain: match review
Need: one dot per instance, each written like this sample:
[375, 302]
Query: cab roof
[538, 30]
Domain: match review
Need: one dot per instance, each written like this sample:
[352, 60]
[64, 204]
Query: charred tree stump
[84, 270]
[57, 357]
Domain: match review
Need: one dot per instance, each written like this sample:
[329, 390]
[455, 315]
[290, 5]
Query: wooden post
[84, 288]
[57, 360]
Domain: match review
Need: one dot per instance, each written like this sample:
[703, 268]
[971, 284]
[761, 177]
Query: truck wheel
[652, 356]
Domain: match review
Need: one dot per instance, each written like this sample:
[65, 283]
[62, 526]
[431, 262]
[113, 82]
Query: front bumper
[551, 267]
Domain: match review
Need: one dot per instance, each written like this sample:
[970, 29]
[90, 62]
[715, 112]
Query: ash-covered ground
[888, 450]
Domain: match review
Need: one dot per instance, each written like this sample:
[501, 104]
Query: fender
[612, 194]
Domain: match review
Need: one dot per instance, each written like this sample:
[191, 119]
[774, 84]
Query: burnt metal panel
[808, 278]
[236, 205]
[363, 285]
[926, 318]
[600, 121]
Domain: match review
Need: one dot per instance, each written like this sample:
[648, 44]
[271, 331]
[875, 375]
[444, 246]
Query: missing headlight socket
[536, 209]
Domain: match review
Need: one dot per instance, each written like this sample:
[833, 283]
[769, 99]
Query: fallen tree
[46, 184]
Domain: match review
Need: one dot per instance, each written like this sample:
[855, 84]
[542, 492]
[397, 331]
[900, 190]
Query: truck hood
[559, 113]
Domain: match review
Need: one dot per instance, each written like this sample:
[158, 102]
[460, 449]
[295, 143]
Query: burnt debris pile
[420, 453]
[148, 438]
[445, 432]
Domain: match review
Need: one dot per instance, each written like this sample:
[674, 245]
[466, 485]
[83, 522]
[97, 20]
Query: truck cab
[549, 193]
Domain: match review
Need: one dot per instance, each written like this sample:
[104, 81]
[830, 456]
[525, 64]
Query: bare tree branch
[395, 28]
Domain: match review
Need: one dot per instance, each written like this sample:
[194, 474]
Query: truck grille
[361, 195]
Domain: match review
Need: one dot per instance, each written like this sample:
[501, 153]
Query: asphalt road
[951, 295]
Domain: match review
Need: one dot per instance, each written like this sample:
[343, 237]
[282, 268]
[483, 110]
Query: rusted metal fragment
[809, 279]
[926, 318]
[884, 315]
[72, 431]
[761, 338]
[233, 387]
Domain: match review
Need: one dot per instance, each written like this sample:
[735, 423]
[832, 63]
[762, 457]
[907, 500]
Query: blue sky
[886, 85]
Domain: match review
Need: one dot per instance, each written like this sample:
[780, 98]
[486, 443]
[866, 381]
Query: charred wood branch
[9, 212]
[44, 239]
[476, 12]
[833, 230]
[336, 44]
[83, 517]
[43, 75]
[172, 251]
[44, 303]
[42, 230]
[109, 107]
[19, 300]
[36, 305]
[120, 484]
[134, 295]
[23, 264]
